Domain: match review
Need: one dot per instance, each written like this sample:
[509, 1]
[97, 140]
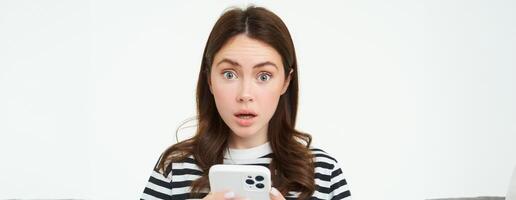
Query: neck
[236, 142]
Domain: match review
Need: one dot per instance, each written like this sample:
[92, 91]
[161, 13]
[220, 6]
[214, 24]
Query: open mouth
[245, 116]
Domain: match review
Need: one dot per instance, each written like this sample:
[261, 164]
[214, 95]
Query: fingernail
[275, 192]
[229, 195]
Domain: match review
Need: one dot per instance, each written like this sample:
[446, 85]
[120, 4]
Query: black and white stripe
[329, 179]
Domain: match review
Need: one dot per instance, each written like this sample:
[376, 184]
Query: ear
[287, 82]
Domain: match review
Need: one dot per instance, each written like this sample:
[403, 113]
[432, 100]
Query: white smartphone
[250, 181]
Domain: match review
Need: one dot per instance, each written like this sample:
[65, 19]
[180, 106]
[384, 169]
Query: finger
[276, 195]
[226, 194]
[229, 195]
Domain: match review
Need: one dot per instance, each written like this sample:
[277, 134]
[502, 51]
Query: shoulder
[177, 166]
[323, 159]
[326, 167]
[329, 176]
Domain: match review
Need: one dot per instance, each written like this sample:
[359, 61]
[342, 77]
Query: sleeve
[158, 186]
[339, 186]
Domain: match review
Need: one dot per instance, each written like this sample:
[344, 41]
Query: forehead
[247, 51]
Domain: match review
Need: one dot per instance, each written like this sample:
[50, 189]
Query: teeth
[245, 116]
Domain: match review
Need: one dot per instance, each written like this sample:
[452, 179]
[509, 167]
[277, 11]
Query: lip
[245, 111]
[245, 122]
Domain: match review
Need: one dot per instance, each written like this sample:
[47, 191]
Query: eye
[265, 77]
[229, 75]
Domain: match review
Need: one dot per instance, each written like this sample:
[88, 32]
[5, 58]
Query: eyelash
[261, 73]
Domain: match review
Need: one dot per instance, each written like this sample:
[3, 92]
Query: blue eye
[229, 75]
[265, 77]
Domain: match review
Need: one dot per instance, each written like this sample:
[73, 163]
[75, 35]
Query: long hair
[291, 166]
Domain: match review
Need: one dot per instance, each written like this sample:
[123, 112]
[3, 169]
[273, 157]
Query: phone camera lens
[249, 181]
[259, 178]
[260, 186]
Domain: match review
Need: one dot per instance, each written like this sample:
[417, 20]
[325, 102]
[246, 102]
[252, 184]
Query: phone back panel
[249, 181]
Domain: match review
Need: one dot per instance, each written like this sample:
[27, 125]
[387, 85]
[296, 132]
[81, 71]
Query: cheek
[222, 92]
[268, 101]
[224, 96]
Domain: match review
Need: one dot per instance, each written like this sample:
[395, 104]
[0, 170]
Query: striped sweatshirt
[329, 179]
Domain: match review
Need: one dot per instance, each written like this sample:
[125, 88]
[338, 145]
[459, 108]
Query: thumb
[275, 194]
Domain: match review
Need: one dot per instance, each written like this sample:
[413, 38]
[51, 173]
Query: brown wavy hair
[292, 166]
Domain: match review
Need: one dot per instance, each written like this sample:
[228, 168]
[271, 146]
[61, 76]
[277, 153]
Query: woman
[247, 95]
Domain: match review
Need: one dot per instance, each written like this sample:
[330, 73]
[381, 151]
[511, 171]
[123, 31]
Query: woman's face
[247, 76]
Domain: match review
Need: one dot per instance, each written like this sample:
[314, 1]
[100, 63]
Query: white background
[416, 99]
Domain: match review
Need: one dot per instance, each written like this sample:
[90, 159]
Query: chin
[244, 132]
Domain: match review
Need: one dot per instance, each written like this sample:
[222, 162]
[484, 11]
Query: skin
[237, 84]
[274, 195]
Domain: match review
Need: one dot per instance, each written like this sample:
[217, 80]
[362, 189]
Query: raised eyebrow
[234, 63]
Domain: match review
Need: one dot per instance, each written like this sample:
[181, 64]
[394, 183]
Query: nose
[245, 99]
[244, 93]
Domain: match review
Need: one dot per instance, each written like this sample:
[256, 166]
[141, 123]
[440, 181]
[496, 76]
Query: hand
[276, 195]
[224, 195]
[228, 195]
